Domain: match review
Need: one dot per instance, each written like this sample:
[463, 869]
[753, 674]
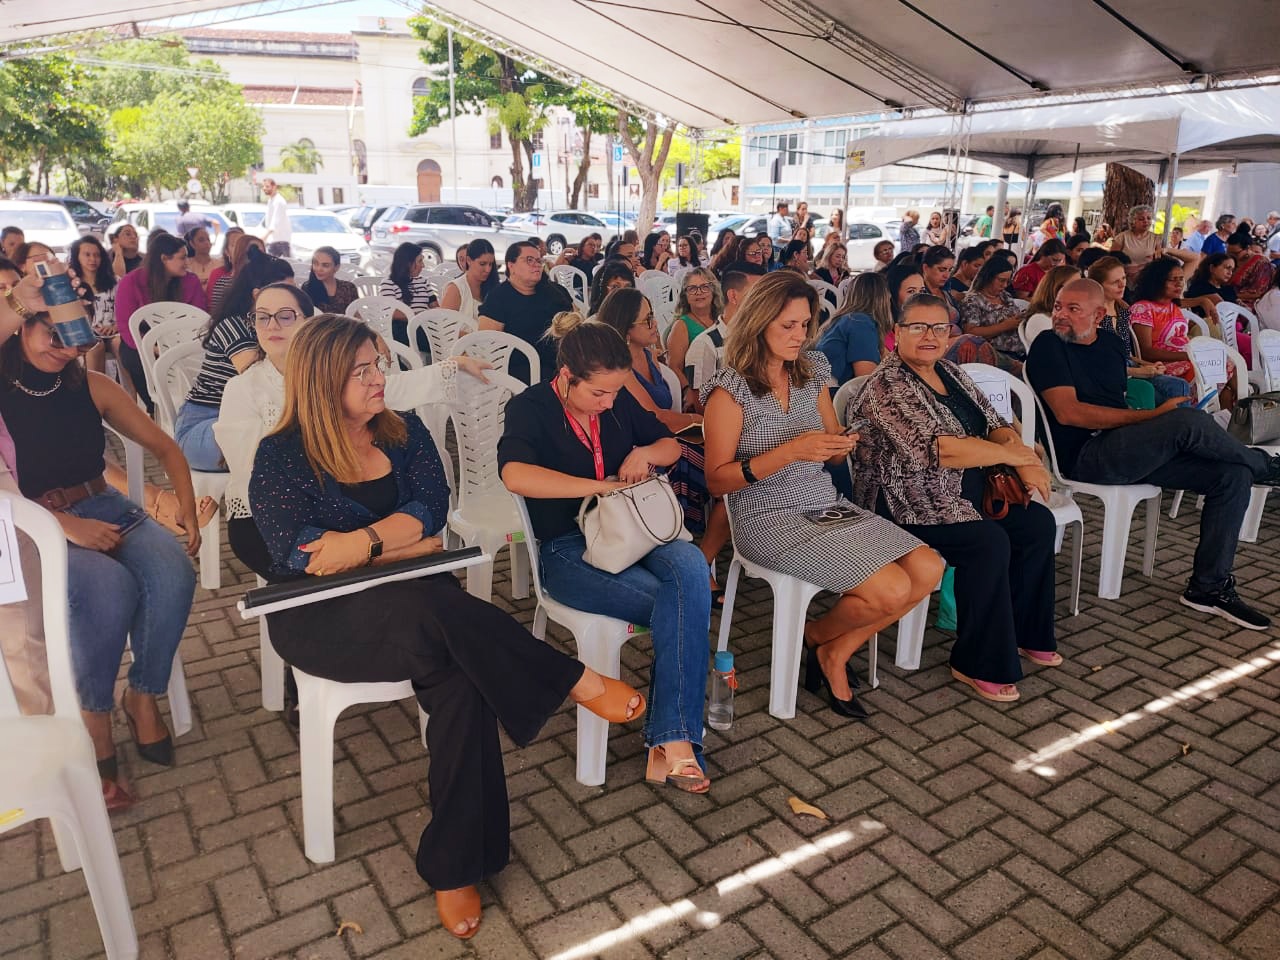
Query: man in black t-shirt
[523, 306]
[1079, 374]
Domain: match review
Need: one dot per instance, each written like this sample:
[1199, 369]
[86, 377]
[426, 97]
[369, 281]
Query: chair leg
[873, 659]
[272, 670]
[1149, 540]
[519, 570]
[90, 830]
[210, 554]
[179, 698]
[1117, 519]
[603, 654]
[480, 581]
[1253, 515]
[1176, 505]
[790, 604]
[726, 612]
[1077, 560]
[911, 636]
[316, 722]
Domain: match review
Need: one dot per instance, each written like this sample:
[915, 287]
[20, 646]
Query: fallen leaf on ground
[802, 809]
[1095, 668]
[1186, 748]
[348, 925]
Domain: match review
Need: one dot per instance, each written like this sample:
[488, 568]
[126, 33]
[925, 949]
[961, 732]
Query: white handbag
[622, 526]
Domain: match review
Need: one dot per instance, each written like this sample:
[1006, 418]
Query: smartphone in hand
[857, 425]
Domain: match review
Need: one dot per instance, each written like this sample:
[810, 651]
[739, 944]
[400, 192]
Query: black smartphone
[857, 425]
[131, 520]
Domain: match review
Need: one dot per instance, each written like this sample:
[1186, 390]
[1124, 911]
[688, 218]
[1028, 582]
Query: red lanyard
[597, 451]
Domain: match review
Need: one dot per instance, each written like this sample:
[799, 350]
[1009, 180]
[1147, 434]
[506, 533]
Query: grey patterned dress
[773, 518]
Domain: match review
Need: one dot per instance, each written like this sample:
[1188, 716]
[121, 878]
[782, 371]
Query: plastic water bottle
[723, 683]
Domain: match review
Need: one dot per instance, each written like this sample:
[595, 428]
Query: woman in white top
[1267, 308]
[252, 403]
[467, 292]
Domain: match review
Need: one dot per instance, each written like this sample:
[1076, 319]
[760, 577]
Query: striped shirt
[421, 296]
[230, 336]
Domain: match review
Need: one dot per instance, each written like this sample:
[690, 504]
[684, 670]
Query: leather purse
[1256, 419]
[1003, 487]
[622, 526]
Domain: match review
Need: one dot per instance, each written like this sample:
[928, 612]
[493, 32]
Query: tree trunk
[524, 192]
[1124, 188]
[579, 182]
[649, 165]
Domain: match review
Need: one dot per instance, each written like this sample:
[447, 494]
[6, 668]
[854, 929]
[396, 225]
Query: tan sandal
[684, 775]
[998, 692]
[457, 908]
[206, 510]
[614, 702]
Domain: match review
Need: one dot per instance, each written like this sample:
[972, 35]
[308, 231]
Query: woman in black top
[128, 579]
[342, 483]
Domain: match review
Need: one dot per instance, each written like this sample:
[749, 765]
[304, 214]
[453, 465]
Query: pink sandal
[999, 692]
[1045, 658]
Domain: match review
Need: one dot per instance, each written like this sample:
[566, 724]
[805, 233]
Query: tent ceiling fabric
[706, 63]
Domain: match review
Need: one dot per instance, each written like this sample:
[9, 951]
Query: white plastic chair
[377, 312]
[1066, 512]
[1229, 314]
[791, 597]
[485, 516]
[442, 328]
[1195, 326]
[154, 314]
[368, 286]
[827, 292]
[435, 416]
[497, 348]
[160, 337]
[673, 384]
[1266, 345]
[846, 393]
[1032, 327]
[173, 373]
[600, 640]
[50, 768]
[1118, 503]
[576, 282]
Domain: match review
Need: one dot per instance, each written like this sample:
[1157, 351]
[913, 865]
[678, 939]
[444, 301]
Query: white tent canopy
[1206, 129]
[705, 63]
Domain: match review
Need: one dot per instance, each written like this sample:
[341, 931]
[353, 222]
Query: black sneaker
[1272, 476]
[1227, 604]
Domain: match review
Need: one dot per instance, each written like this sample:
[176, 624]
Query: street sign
[537, 160]
[617, 153]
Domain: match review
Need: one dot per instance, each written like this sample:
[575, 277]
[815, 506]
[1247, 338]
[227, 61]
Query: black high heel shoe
[815, 680]
[158, 751]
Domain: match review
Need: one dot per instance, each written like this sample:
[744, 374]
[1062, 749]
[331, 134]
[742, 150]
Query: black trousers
[472, 666]
[1004, 588]
[132, 361]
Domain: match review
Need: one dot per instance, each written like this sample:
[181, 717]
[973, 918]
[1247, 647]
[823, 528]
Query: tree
[148, 69]
[592, 115]
[515, 97]
[1123, 188]
[648, 147]
[45, 120]
[300, 157]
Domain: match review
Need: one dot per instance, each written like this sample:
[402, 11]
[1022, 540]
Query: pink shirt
[132, 293]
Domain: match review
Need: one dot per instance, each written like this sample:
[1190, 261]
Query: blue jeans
[1167, 387]
[669, 591]
[140, 592]
[194, 433]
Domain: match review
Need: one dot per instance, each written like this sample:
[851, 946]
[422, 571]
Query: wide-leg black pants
[472, 666]
[1004, 588]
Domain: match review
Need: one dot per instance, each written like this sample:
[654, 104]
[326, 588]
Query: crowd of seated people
[298, 404]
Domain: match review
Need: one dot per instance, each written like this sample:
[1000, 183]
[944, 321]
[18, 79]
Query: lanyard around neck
[593, 444]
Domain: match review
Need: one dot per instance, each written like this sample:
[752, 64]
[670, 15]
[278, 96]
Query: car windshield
[169, 219]
[315, 223]
[251, 218]
[52, 219]
[728, 223]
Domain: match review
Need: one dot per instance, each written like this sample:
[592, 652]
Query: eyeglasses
[284, 318]
[939, 330]
[531, 261]
[364, 373]
[647, 322]
[698, 288]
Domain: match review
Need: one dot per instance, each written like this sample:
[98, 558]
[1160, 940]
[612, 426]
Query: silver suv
[440, 229]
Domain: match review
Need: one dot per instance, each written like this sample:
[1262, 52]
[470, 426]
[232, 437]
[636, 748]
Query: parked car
[441, 228]
[618, 223]
[664, 221]
[320, 228]
[145, 217]
[87, 218]
[247, 216]
[362, 219]
[47, 223]
[563, 228]
[862, 240]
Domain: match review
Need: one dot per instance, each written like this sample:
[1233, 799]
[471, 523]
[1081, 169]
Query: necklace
[37, 393]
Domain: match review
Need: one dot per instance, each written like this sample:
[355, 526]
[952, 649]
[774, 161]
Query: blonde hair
[745, 349]
[1047, 289]
[824, 257]
[317, 370]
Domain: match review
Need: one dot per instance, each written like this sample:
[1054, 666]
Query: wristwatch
[375, 545]
[747, 475]
[11, 298]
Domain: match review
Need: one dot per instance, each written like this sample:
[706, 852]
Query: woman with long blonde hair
[343, 482]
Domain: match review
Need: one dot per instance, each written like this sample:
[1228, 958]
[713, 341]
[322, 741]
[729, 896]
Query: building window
[360, 161]
[338, 196]
[495, 140]
[537, 182]
[593, 191]
[422, 87]
[733, 195]
[538, 141]
[833, 145]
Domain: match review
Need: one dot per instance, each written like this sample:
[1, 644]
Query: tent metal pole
[844, 209]
[1171, 179]
[1002, 200]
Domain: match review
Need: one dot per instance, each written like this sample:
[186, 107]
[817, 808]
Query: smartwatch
[375, 545]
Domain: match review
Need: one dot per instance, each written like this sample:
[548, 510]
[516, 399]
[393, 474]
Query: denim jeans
[140, 592]
[669, 591]
[194, 433]
[1167, 387]
[1184, 450]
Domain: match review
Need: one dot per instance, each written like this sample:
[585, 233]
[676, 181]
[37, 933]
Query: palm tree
[301, 157]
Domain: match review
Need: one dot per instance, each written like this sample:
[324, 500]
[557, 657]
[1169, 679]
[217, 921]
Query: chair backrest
[848, 390]
[368, 286]
[377, 312]
[497, 347]
[1196, 324]
[1021, 305]
[1266, 345]
[1229, 314]
[826, 291]
[1209, 359]
[575, 281]
[161, 337]
[531, 544]
[1000, 389]
[673, 384]
[1032, 327]
[658, 286]
[51, 543]
[479, 415]
[441, 327]
[154, 314]
[408, 357]
[1047, 434]
[347, 272]
[172, 375]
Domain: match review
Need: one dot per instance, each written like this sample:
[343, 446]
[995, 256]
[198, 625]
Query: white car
[145, 217]
[47, 223]
[322, 228]
[247, 216]
[561, 228]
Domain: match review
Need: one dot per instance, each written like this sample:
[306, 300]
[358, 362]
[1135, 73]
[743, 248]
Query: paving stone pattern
[959, 829]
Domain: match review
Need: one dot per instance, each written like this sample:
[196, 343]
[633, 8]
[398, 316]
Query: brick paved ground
[959, 829]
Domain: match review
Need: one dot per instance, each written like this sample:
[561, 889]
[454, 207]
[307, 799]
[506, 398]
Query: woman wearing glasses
[342, 482]
[127, 578]
[699, 308]
[931, 437]
[770, 429]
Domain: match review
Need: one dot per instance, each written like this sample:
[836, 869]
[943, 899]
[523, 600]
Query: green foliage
[45, 119]
[148, 70]
[719, 158]
[300, 157]
[1183, 217]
